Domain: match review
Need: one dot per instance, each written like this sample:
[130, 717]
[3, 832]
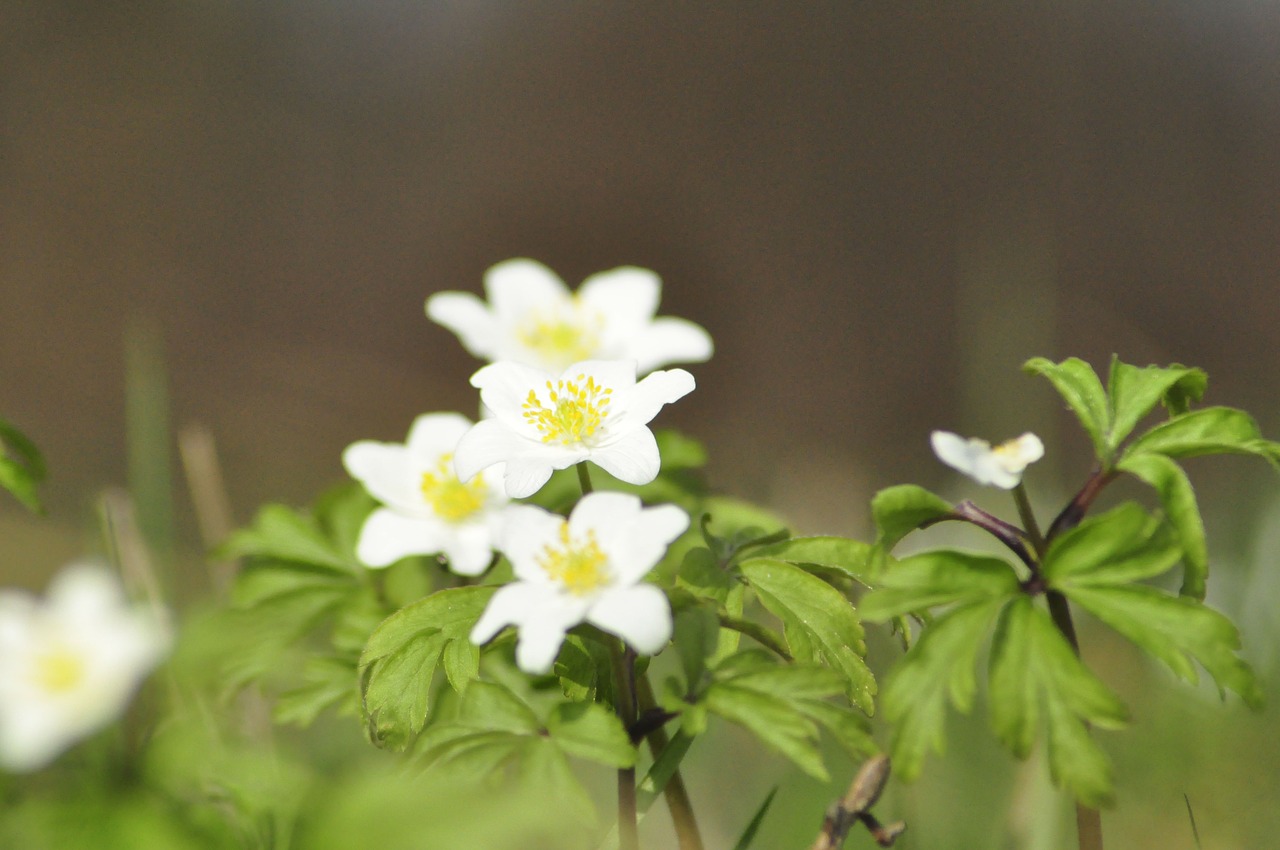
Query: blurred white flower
[595, 410]
[587, 568]
[428, 510]
[532, 318]
[1001, 466]
[70, 663]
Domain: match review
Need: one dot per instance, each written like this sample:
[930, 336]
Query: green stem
[762, 635]
[677, 795]
[584, 477]
[1028, 517]
[624, 672]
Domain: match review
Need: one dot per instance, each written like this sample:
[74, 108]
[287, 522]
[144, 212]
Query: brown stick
[855, 807]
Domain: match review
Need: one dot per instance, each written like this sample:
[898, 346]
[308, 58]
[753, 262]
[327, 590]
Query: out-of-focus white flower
[532, 318]
[1001, 466]
[595, 410]
[70, 663]
[587, 568]
[428, 510]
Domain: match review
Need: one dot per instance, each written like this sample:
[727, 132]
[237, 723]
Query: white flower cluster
[571, 379]
[69, 663]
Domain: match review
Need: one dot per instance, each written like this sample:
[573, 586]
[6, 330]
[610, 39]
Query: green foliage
[398, 665]
[21, 466]
[898, 511]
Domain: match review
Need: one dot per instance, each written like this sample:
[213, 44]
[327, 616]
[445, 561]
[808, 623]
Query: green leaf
[585, 670]
[838, 554]
[1210, 430]
[749, 834]
[939, 577]
[1125, 544]
[341, 512]
[695, 637]
[772, 719]
[939, 665]
[820, 624]
[847, 726]
[1135, 390]
[283, 534]
[461, 661]
[400, 660]
[1033, 665]
[591, 731]
[544, 771]
[1079, 386]
[328, 682]
[21, 466]
[1180, 507]
[1174, 629]
[679, 451]
[702, 576]
[898, 511]
[492, 707]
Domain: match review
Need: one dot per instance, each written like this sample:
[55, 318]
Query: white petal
[469, 318]
[469, 548]
[1017, 454]
[387, 471]
[542, 617]
[85, 591]
[488, 442]
[510, 606]
[975, 458]
[435, 434]
[526, 531]
[646, 542]
[525, 476]
[387, 536]
[617, 375]
[519, 287]
[669, 340]
[627, 297]
[633, 457]
[640, 615]
[504, 388]
[606, 514]
[652, 392]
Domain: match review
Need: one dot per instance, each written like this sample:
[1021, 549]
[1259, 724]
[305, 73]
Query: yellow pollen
[452, 500]
[580, 568]
[562, 338]
[578, 409]
[59, 671]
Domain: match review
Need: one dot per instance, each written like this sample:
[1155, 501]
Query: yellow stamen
[452, 500]
[59, 670]
[581, 568]
[563, 337]
[578, 409]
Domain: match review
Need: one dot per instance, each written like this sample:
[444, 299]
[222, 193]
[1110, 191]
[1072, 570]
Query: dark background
[878, 209]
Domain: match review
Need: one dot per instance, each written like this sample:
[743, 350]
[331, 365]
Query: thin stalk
[1029, 520]
[624, 671]
[763, 635]
[676, 794]
[1088, 821]
[584, 477]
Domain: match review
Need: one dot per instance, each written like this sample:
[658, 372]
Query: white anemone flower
[1000, 466]
[587, 568]
[70, 663]
[532, 318]
[595, 410]
[427, 509]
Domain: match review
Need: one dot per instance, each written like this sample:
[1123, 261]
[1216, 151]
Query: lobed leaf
[1174, 629]
[282, 534]
[1079, 386]
[898, 511]
[1135, 390]
[21, 466]
[838, 554]
[939, 577]
[328, 682]
[591, 731]
[1210, 430]
[1125, 544]
[820, 624]
[1179, 501]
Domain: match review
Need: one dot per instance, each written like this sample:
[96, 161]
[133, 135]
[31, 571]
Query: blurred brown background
[878, 209]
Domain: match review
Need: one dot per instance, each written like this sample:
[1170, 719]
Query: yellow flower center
[452, 500]
[562, 338]
[59, 670]
[577, 410]
[580, 567]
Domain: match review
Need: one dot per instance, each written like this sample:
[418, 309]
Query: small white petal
[504, 388]
[1001, 466]
[628, 299]
[526, 531]
[435, 434]
[469, 318]
[652, 393]
[488, 442]
[632, 457]
[387, 536]
[640, 615]
[518, 288]
[508, 607]
[670, 340]
[526, 476]
[541, 615]
[469, 548]
[386, 471]
[646, 542]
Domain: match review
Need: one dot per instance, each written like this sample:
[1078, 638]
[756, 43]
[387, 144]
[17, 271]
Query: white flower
[428, 510]
[69, 663]
[587, 568]
[595, 410]
[1001, 466]
[532, 318]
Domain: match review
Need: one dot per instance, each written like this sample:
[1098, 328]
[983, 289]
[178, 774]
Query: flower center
[563, 337]
[580, 567]
[452, 500]
[578, 408]
[59, 670]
